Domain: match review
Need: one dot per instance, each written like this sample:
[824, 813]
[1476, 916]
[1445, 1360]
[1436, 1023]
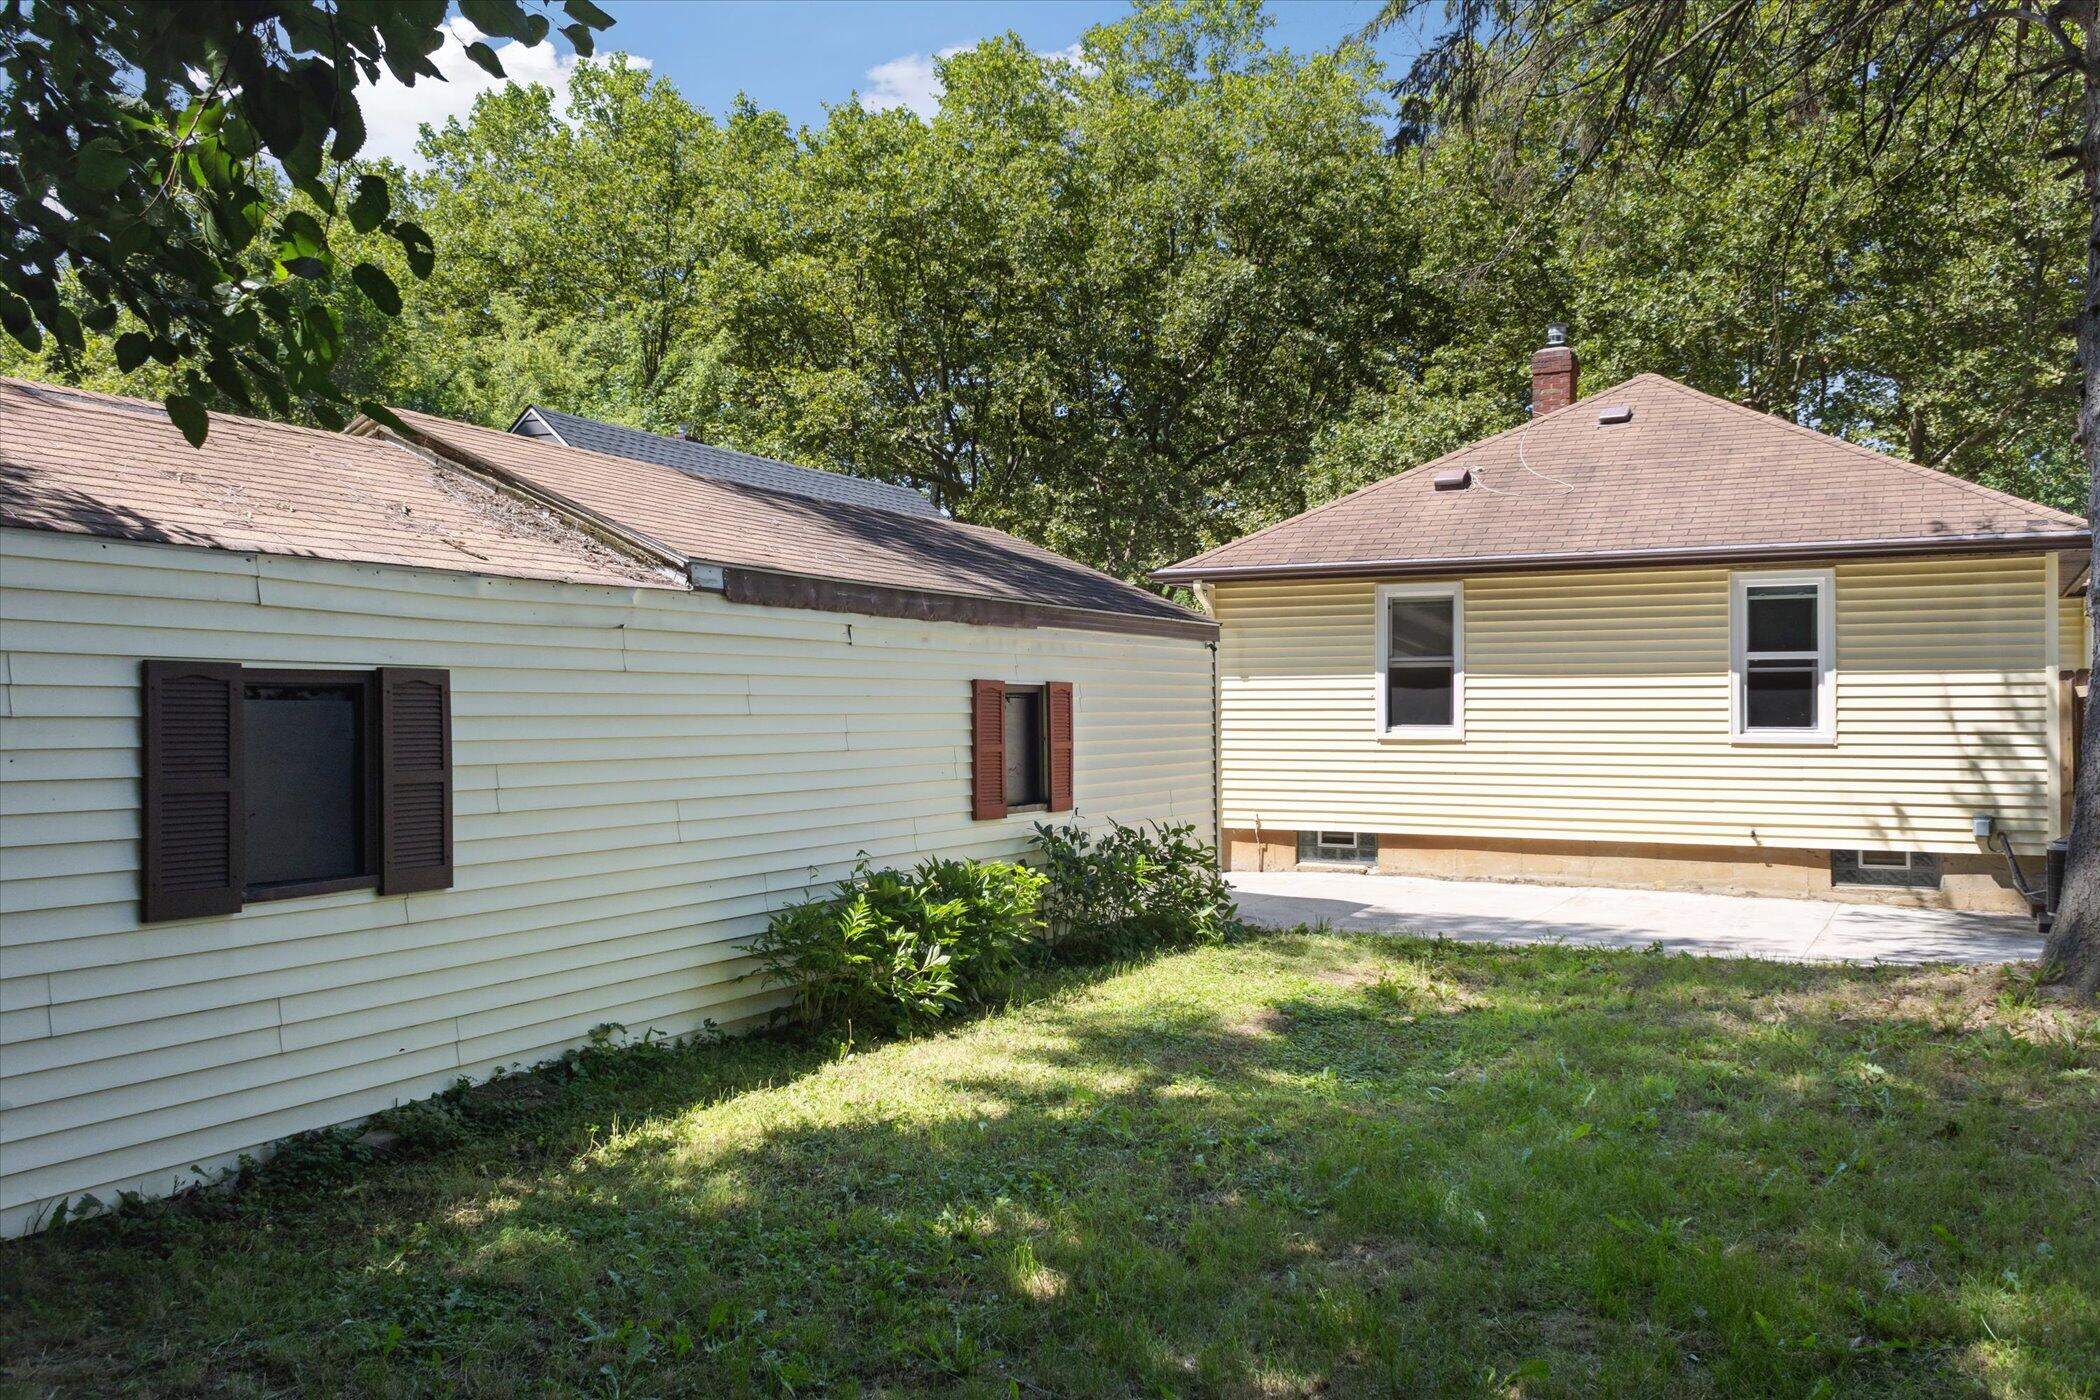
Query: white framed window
[1421, 661]
[1335, 845]
[1884, 860]
[1783, 647]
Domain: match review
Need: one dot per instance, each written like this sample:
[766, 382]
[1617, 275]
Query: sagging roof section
[79, 462]
[880, 555]
[1649, 470]
[718, 463]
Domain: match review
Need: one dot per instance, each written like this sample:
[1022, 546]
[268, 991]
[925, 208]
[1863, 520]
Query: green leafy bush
[995, 923]
[1127, 891]
[894, 949]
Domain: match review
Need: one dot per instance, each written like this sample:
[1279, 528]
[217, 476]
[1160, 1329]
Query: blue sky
[798, 55]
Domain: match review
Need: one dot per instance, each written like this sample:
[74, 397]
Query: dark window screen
[306, 795]
[1027, 779]
[1780, 691]
[1780, 695]
[1421, 663]
[1417, 695]
[1420, 627]
[1783, 619]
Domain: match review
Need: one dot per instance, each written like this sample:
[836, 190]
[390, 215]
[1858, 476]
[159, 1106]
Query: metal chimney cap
[1557, 334]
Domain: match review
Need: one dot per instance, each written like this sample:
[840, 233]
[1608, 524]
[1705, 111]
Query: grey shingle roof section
[719, 463]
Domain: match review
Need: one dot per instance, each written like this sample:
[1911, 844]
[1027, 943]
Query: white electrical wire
[1524, 462]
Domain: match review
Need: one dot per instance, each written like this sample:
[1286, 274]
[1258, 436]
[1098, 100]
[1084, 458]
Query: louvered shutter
[194, 813]
[987, 750]
[415, 779]
[1057, 704]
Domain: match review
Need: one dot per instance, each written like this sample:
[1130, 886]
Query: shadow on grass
[1302, 1163]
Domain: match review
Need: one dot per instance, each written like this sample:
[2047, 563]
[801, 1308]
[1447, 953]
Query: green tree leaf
[369, 205]
[101, 165]
[132, 350]
[188, 415]
[376, 285]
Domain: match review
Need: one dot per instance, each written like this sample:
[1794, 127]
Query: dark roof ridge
[724, 464]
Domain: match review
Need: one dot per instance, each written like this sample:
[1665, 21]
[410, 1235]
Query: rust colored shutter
[987, 750]
[1057, 704]
[415, 779]
[194, 817]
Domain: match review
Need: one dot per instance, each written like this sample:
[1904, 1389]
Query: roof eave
[2029, 541]
[772, 586]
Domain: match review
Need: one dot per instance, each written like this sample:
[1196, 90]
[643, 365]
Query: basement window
[1338, 847]
[1908, 870]
[1783, 644]
[1421, 661]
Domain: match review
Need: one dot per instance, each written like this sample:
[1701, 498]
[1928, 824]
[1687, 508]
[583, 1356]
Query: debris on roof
[80, 462]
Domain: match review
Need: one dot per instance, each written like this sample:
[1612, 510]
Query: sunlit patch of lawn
[1308, 1162]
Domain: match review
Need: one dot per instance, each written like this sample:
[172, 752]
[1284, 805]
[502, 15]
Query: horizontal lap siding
[1596, 709]
[641, 777]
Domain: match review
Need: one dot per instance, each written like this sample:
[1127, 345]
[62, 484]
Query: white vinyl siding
[1597, 708]
[641, 776]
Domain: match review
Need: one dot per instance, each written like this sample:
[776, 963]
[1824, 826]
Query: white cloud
[908, 81]
[395, 114]
[911, 80]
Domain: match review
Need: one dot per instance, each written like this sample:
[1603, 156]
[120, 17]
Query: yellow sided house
[337, 767]
[1653, 638]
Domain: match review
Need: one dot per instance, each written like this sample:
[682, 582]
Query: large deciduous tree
[135, 199]
[1107, 304]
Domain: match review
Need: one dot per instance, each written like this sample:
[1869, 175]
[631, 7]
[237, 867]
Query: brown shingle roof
[1689, 476]
[95, 464]
[742, 526]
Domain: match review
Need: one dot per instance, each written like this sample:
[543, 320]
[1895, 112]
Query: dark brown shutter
[195, 812]
[987, 750]
[1057, 704]
[415, 779]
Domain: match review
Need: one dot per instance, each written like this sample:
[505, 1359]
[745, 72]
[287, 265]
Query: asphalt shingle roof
[1687, 475]
[725, 523]
[95, 464]
[721, 464]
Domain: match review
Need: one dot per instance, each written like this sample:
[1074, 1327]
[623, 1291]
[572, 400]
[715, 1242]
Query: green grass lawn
[1304, 1163]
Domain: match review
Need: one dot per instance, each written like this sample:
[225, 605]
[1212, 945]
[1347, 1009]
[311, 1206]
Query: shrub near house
[892, 949]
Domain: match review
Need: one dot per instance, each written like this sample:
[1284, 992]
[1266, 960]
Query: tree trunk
[2073, 952]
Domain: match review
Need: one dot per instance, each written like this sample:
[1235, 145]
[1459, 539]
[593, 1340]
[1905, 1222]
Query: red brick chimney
[1553, 373]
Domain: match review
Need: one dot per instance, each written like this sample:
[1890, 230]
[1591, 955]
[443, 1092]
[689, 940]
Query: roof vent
[1615, 413]
[1454, 479]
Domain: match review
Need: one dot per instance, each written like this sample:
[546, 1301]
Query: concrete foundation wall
[1975, 882]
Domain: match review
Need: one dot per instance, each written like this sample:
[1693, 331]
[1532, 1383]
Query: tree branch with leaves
[135, 141]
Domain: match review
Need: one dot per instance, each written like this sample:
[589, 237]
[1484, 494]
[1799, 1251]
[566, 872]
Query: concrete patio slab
[1798, 930]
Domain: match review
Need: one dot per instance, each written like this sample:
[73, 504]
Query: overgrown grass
[1307, 1162]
